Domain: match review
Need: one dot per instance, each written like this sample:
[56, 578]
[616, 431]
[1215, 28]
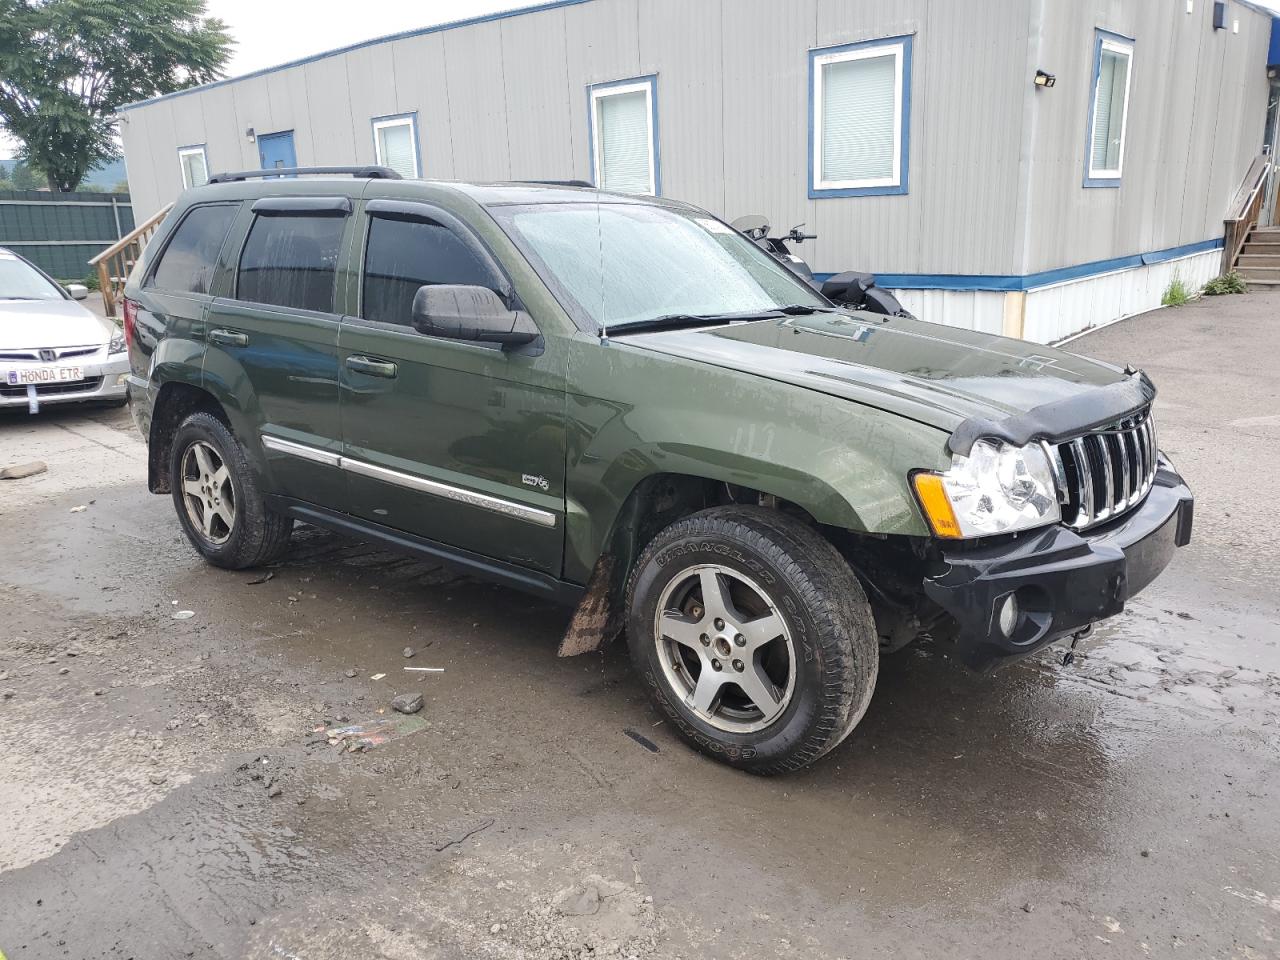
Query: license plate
[42, 375]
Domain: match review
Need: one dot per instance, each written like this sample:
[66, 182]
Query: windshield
[616, 264]
[19, 281]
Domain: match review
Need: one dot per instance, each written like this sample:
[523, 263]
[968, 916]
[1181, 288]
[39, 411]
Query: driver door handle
[229, 338]
[372, 367]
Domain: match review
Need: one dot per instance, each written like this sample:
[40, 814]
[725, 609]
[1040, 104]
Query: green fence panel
[60, 232]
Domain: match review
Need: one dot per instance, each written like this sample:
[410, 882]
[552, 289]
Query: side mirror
[78, 291]
[470, 313]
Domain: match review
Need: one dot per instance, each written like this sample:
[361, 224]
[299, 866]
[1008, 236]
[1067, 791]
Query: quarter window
[289, 261]
[195, 166]
[860, 118]
[395, 141]
[403, 255]
[188, 260]
[1109, 110]
[624, 136]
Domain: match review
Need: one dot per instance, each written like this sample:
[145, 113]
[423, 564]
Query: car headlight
[117, 344]
[998, 488]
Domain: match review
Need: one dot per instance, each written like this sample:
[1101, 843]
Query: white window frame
[401, 120]
[600, 92]
[1114, 44]
[865, 51]
[183, 153]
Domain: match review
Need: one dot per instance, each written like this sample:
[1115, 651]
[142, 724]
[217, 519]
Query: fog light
[1008, 615]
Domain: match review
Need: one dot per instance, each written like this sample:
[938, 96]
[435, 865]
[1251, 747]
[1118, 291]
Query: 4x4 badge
[530, 480]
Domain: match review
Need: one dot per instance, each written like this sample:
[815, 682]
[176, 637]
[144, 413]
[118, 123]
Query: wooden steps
[1259, 260]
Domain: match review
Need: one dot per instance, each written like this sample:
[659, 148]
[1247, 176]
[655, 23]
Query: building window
[195, 166]
[860, 118]
[624, 136]
[395, 140]
[1108, 109]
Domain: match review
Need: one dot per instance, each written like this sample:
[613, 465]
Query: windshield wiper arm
[691, 319]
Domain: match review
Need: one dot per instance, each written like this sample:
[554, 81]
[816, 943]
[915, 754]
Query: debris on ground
[358, 737]
[80, 509]
[262, 579]
[184, 614]
[641, 739]
[377, 676]
[351, 673]
[20, 471]
[408, 652]
[426, 669]
[407, 703]
[448, 842]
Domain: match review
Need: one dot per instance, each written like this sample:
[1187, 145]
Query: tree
[4, 172]
[24, 178]
[67, 66]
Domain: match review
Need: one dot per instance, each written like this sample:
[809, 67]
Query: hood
[938, 375]
[26, 324]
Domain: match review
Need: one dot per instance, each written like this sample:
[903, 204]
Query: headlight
[117, 343]
[996, 489]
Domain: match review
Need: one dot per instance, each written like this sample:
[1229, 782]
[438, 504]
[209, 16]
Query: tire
[820, 668]
[242, 532]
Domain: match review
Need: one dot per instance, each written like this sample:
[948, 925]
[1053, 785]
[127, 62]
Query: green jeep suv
[623, 404]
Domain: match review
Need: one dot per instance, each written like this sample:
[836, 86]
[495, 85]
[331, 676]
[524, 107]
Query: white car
[53, 350]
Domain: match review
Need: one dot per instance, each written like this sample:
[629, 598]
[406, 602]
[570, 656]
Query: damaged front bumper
[1060, 581]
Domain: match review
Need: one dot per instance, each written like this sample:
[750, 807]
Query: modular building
[1032, 167]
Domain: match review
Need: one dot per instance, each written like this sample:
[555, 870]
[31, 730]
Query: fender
[844, 463]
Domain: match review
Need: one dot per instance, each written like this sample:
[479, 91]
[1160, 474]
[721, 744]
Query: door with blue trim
[275, 150]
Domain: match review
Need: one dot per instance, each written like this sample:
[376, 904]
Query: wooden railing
[114, 263]
[1243, 212]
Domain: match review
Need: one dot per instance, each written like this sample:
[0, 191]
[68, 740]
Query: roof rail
[369, 172]
[560, 183]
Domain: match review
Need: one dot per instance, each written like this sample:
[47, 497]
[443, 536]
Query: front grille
[1105, 473]
[58, 353]
[52, 389]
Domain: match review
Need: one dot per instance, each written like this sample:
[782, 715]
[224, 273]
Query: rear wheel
[217, 498]
[753, 636]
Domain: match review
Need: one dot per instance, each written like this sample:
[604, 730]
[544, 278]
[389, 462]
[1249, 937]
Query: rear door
[273, 343]
[179, 284]
[462, 443]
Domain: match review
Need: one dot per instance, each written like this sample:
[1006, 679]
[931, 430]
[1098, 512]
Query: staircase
[1259, 260]
[114, 263]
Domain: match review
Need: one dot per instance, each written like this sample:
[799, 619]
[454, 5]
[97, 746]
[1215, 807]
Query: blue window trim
[904, 156]
[412, 117]
[999, 283]
[655, 147]
[1099, 36]
[204, 150]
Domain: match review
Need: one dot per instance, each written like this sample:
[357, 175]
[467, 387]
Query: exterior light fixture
[1045, 79]
[250, 135]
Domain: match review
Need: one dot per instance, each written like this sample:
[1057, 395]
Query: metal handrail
[1244, 209]
[115, 262]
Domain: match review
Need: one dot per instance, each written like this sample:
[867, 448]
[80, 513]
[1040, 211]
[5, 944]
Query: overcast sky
[269, 32]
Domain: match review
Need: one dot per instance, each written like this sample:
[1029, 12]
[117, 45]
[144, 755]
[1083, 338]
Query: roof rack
[370, 172]
[560, 183]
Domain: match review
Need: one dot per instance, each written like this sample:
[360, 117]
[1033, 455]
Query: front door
[275, 150]
[458, 442]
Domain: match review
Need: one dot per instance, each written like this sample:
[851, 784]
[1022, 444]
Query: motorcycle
[850, 288]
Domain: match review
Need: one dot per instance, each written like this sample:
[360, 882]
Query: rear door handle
[372, 367]
[229, 338]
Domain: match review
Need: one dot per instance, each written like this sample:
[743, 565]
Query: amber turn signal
[937, 505]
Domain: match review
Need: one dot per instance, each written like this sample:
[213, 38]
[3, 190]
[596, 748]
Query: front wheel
[214, 491]
[753, 636]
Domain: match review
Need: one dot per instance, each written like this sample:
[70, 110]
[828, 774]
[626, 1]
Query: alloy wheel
[725, 649]
[207, 492]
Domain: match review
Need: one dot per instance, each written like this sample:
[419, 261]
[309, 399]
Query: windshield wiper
[692, 319]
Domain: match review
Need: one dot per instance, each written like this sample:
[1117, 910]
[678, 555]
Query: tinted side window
[289, 261]
[404, 255]
[186, 266]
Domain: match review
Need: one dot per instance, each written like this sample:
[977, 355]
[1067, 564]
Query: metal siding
[329, 109]
[477, 102]
[141, 151]
[422, 87]
[1196, 104]
[602, 44]
[371, 91]
[537, 96]
[689, 66]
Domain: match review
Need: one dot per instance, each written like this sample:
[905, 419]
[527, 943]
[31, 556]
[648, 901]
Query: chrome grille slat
[1103, 474]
